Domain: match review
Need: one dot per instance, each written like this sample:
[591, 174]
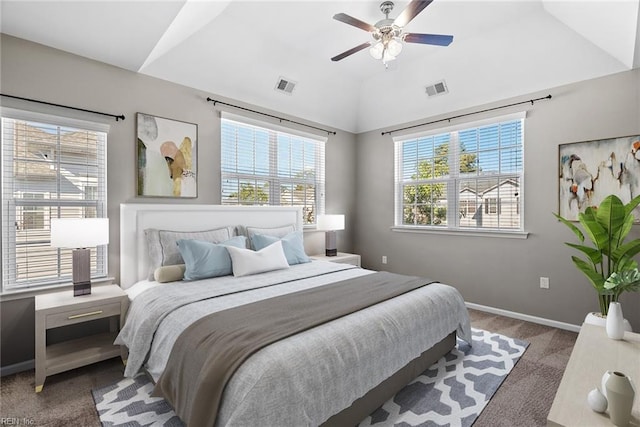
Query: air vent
[285, 85]
[437, 88]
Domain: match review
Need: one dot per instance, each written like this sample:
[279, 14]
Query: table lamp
[80, 234]
[330, 223]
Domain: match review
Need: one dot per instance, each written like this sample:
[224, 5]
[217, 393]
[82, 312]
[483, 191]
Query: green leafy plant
[607, 227]
[624, 281]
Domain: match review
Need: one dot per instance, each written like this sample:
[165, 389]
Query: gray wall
[35, 71]
[499, 272]
[495, 272]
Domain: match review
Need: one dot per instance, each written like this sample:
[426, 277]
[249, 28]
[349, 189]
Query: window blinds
[463, 177]
[48, 171]
[264, 165]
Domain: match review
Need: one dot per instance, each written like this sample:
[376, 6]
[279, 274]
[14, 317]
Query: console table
[594, 354]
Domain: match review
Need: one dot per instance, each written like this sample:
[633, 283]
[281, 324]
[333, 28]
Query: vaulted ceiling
[239, 49]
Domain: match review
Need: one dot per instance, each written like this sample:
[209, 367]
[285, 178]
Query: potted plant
[609, 265]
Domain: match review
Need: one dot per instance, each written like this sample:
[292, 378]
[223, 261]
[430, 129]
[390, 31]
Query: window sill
[29, 292]
[503, 234]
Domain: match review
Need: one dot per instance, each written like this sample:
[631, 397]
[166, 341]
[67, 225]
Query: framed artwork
[591, 170]
[167, 153]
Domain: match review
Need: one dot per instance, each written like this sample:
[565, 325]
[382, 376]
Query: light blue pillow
[205, 259]
[292, 244]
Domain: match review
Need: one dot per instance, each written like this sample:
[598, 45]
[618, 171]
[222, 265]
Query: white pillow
[246, 261]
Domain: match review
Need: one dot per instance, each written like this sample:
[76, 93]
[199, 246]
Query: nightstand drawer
[85, 314]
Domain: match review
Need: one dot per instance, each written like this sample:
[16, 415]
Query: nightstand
[60, 309]
[341, 258]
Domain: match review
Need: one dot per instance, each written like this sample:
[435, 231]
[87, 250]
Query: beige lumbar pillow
[169, 273]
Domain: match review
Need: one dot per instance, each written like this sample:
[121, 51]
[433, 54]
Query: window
[263, 165]
[467, 178]
[32, 215]
[51, 167]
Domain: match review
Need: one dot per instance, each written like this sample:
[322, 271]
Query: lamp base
[330, 244]
[81, 289]
[81, 272]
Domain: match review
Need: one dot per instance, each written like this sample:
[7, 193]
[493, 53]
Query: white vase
[596, 401]
[603, 383]
[615, 321]
[620, 395]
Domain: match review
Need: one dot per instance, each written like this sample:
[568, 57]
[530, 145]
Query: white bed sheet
[140, 287]
[317, 373]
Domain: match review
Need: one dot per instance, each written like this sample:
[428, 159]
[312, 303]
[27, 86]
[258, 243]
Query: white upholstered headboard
[135, 218]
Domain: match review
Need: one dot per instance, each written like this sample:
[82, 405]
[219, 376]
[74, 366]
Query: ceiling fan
[388, 33]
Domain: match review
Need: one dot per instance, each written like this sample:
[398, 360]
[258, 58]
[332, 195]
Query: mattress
[304, 379]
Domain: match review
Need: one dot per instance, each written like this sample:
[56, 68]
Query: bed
[336, 373]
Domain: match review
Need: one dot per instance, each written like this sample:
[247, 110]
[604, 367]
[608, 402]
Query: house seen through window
[464, 178]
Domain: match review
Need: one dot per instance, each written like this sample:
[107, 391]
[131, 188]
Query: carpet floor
[524, 399]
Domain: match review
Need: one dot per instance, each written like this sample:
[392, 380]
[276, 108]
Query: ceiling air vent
[437, 88]
[285, 85]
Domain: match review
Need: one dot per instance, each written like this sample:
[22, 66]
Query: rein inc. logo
[17, 421]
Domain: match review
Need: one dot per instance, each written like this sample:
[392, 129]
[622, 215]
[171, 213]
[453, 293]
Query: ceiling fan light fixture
[377, 50]
[387, 57]
[394, 47]
[388, 34]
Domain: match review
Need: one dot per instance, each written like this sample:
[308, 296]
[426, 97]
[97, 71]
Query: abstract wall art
[166, 157]
[591, 170]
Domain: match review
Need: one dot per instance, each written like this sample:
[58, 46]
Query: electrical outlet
[384, 259]
[544, 283]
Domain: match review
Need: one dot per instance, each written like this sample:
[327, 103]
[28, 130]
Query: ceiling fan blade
[411, 11]
[343, 17]
[436, 39]
[351, 51]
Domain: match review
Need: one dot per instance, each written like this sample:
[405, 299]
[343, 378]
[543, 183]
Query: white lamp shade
[387, 57]
[394, 47]
[330, 222]
[79, 232]
[376, 50]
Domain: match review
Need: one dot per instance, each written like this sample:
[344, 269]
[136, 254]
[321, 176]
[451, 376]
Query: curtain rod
[121, 116]
[467, 114]
[269, 115]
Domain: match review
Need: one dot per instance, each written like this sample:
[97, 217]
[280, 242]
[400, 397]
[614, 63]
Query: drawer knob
[76, 316]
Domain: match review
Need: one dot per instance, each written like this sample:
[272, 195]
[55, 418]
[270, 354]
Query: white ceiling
[239, 49]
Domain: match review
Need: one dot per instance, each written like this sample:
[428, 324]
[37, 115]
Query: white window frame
[452, 180]
[10, 204]
[272, 178]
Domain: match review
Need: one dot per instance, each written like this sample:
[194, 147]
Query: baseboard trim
[17, 367]
[526, 317]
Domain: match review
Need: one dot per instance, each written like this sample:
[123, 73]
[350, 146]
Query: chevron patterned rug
[452, 392]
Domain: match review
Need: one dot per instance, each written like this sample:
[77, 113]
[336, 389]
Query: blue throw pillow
[292, 243]
[205, 259]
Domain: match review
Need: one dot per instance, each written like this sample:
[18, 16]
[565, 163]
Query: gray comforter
[312, 375]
